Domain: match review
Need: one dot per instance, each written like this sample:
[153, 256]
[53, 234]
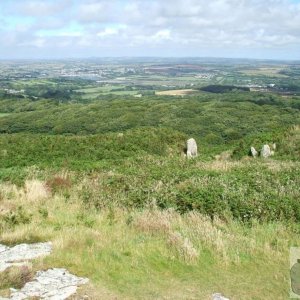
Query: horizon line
[148, 57]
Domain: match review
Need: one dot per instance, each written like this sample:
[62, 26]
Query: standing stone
[295, 278]
[253, 151]
[218, 296]
[191, 147]
[265, 151]
[274, 146]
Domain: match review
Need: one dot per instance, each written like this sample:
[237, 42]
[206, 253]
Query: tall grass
[132, 252]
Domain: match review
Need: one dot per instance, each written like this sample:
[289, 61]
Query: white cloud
[40, 8]
[128, 27]
[107, 32]
[96, 11]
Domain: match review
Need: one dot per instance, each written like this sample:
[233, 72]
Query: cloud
[96, 11]
[151, 27]
[108, 32]
[40, 8]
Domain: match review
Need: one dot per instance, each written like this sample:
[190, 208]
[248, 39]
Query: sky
[266, 29]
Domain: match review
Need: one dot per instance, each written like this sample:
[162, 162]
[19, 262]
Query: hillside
[104, 178]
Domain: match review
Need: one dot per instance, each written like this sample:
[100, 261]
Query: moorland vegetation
[105, 179]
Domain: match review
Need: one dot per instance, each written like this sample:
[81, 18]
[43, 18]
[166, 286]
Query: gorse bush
[85, 152]
[216, 117]
[246, 191]
[14, 218]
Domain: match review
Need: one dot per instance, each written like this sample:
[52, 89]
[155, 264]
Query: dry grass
[35, 190]
[153, 222]
[220, 165]
[15, 277]
[183, 247]
[150, 253]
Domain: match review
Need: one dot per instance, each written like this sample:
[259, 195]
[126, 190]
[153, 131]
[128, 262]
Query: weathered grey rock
[192, 150]
[53, 284]
[20, 255]
[265, 151]
[253, 151]
[218, 296]
[3, 248]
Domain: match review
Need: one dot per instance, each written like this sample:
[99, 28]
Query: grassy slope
[99, 205]
[146, 254]
[133, 253]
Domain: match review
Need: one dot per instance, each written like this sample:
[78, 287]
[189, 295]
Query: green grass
[149, 166]
[4, 115]
[146, 254]
[145, 223]
[106, 181]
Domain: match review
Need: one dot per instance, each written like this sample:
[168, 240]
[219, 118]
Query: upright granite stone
[218, 296]
[265, 151]
[253, 151]
[192, 150]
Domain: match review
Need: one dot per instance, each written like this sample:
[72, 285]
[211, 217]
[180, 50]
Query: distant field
[271, 72]
[93, 92]
[176, 92]
[98, 89]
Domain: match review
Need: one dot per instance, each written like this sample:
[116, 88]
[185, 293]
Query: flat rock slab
[53, 284]
[21, 254]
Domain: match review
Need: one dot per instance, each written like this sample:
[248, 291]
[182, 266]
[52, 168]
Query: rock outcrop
[191, 148]
[19, 255]
[53, 284]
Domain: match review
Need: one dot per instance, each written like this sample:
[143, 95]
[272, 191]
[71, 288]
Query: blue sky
[95, 28]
